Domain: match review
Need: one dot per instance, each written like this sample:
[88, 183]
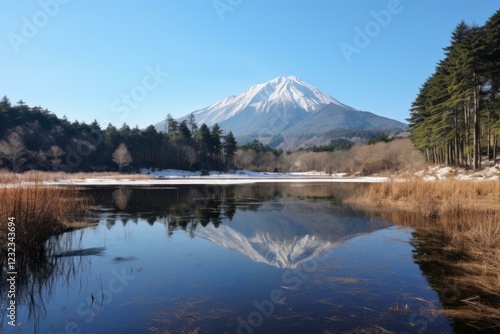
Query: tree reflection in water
[185, 207]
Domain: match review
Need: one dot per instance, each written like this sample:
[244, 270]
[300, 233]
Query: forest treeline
[35, 138]
[455, 118]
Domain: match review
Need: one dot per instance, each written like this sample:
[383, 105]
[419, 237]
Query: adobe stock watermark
[223, 6]
[365, 35]
[32, 25]
[131, 100]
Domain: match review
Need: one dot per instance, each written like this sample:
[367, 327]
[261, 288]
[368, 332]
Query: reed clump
[467, 212]
[432, 198]
[39, 212]
[465, 215]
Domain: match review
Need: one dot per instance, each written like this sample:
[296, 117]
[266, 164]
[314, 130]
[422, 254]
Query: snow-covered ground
[177, 177]
[233, 174]
[446, 172]
[180, 177]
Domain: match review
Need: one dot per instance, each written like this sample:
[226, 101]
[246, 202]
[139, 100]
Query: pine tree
[183, 134]
[171, 125]
[193, 127]
[203, 139]
[5, 103]
[229, 146]
[492, 58]
[216, 143]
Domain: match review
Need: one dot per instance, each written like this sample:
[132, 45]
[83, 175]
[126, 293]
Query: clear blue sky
[83, 56]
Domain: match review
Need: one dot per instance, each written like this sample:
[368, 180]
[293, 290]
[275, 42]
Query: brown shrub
[397, 156]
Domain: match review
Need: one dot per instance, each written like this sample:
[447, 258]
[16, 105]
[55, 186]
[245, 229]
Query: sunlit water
[246, 259]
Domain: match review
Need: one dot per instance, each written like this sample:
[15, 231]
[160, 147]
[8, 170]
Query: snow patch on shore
[181, 177]
[445, 172]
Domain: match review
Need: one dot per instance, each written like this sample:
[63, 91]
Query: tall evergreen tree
[229, 146]
[203, 139]
[193, 127]
[171, 125]
[216, 143]
[492, 57]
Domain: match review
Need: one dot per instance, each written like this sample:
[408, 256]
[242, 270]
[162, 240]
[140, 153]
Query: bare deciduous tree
[13, 150]
[122, 156]
[55, 153]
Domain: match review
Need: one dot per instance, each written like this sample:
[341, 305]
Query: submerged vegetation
[458, 223]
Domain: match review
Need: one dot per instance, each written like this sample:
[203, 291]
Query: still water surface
[267, 258]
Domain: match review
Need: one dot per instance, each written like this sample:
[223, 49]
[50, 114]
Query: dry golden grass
[465, 213]
[7, 177]
[432, 199]
[39, 212]
[468, 212]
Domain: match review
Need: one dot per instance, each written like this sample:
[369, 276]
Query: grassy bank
[10, 177]
[465, 217]
[39, 212]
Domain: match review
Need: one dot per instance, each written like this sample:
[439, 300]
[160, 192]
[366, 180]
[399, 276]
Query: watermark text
[11, 273]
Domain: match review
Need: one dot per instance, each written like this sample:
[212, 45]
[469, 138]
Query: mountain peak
[283, 78]
[284, 93]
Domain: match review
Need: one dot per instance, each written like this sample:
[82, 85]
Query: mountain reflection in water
[286, 234]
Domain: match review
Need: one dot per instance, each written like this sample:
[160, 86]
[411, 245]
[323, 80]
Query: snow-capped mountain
[267, 110]
[276, 95]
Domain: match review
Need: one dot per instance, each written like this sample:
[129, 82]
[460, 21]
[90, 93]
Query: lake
[262, 258]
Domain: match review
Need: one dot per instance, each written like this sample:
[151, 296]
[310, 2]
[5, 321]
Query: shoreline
[212, 180]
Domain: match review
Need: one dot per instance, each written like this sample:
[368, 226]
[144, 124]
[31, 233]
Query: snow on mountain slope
[289, 92]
